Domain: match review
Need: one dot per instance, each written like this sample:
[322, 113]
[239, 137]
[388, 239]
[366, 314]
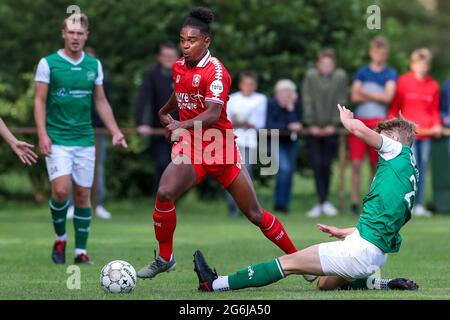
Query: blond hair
[422, 54]
[406, 130]
[285, 84]
[74, 18]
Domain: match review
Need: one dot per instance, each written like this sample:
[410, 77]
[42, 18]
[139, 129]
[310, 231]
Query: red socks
[165, 221]
[272, 228]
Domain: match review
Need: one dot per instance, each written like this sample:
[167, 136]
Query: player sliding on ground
[201, 86]
[363, 251]
[22, 149]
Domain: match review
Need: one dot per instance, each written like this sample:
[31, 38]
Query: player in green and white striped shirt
[67, 82]
[352, 262]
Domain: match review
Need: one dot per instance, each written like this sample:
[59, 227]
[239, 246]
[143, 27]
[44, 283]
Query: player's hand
[24, 152]
[345, 115]
[144, 130]
[45, 145]
[332, 231]
[165, 119]
[175, 130]
[118, 140]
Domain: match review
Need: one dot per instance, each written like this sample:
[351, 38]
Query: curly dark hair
[200, 17]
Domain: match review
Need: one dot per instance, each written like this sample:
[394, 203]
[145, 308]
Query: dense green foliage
[279, 39]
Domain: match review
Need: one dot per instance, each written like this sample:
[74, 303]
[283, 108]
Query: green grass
[229, 244]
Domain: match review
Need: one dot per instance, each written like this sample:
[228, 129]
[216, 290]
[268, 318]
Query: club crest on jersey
[196, 80]
[178, 78]
[91, 75]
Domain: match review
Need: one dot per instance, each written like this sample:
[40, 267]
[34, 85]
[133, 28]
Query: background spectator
[372, 90]
[246, 109]
[323, 88]
[445, 107]
[284, 113]
[417, 99]
[155, 90]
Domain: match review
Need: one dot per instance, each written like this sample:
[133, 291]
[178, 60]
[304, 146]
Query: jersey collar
[65, 57]
[204, 60]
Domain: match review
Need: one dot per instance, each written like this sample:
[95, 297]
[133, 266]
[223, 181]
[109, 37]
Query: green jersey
[387, 206]
[69, 100]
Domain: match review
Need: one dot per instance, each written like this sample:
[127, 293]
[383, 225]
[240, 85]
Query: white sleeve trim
[215, 100]
[42, 72]
[389, 148]
[99, 80]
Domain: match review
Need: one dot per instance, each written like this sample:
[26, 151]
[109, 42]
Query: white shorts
[351, 258]
[76, 161]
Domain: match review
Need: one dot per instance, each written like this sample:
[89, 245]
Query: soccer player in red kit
[201, 87]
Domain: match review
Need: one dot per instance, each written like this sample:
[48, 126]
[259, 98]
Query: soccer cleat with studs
[158, 266]
[204, 273]
[59, 252]
[83, 259]
[402, 284]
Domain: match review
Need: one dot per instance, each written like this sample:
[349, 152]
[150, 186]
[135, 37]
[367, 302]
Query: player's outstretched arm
[335, 232]
[105, 112]
[22, 149]
[358, 128]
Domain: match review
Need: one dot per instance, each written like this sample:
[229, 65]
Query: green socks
[257, 275]
[81, 221]
[59, 213]
[370, 283]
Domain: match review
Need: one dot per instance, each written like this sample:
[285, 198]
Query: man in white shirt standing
[247, 111]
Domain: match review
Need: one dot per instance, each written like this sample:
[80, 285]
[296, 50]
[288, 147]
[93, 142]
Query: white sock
[221, 284]
[80, 251]
[381, 284]
[63, 237]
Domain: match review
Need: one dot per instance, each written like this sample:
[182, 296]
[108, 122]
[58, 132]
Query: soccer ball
[118, 276]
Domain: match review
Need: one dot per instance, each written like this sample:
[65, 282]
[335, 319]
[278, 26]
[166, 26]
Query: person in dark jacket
[155, 90]
[284, 113]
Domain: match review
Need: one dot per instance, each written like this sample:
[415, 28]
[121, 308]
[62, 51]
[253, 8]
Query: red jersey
[207, 81]
[418, 101]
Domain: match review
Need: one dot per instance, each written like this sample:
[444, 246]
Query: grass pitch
[26, 238]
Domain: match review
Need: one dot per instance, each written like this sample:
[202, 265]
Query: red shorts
[221, 161]
[358, 148]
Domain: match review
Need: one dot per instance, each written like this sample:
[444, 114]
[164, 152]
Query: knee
[165, 194]
[81, 197]
[356, 166]
[255, 215]
[323, 285]
[60, 194]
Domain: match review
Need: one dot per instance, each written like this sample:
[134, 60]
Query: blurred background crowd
[292, 62]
